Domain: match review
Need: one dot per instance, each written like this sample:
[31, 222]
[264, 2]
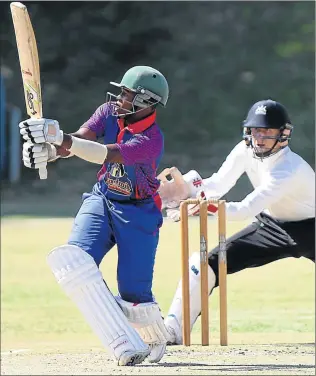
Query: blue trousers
[133, 227]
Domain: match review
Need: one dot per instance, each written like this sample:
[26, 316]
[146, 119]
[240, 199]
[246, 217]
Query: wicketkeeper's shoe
[131, 358]
[174, 330]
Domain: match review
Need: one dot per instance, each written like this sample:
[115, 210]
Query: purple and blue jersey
[124, 208]
[141, 145]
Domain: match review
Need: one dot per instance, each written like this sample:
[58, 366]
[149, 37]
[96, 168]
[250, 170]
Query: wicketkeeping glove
[193, 209]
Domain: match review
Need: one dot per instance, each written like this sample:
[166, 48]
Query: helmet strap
[145, 98]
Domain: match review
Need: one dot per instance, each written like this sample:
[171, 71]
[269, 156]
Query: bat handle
[43, 173]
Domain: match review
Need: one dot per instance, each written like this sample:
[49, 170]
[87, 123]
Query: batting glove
[41, 130]
[37, 155]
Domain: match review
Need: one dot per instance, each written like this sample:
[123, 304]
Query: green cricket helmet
[149, 85]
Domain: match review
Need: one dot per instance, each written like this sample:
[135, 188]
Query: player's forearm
[84, 133]
[91, 151]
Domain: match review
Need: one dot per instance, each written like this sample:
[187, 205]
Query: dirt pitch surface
[276, 359]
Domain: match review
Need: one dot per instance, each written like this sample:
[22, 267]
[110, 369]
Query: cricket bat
[29, 64]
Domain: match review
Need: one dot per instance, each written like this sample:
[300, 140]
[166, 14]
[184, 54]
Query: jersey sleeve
[141, 148]
[226, 177]
[277, 184]
[96, 122]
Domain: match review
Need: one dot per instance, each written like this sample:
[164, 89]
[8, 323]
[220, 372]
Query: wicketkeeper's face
[263, 139]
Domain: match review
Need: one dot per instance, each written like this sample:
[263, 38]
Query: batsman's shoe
[157, 351]
[147, 320]
[131, 358]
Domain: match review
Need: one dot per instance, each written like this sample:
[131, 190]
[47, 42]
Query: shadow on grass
[232, 367]
[239, 368]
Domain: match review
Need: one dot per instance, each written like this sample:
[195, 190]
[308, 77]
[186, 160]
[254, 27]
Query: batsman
[281, 205]
[123, 209]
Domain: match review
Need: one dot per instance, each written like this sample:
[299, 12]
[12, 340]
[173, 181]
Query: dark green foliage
[219, 58]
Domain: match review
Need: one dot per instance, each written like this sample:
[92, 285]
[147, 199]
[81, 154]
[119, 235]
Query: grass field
[271, 304]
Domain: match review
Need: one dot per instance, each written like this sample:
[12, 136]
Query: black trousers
[264, 241]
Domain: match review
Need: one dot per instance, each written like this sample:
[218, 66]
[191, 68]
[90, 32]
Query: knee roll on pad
[72, 267]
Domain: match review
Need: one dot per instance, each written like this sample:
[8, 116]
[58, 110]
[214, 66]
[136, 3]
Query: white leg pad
[147, 320]
[173, 321]
[80, 278]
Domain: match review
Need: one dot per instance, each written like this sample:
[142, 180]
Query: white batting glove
[37, 155]
[41, 130]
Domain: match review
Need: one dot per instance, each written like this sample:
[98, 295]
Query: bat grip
[42, 173]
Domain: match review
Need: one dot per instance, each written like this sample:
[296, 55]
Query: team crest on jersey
[117, 180]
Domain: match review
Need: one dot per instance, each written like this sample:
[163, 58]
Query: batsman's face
[264, 138]
[125, 101]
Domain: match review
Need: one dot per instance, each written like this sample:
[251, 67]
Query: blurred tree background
[219, 58]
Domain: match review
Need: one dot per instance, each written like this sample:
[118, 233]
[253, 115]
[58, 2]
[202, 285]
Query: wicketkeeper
[123, 208]
[282, 204]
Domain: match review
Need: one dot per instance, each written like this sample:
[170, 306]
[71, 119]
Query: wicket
[204, 270]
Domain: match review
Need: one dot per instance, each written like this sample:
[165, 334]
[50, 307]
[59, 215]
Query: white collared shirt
[284, 185]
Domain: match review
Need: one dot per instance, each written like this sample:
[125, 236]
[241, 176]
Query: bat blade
[29, 63]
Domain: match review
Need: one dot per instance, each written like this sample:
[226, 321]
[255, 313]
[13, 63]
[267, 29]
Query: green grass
[274, 303]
